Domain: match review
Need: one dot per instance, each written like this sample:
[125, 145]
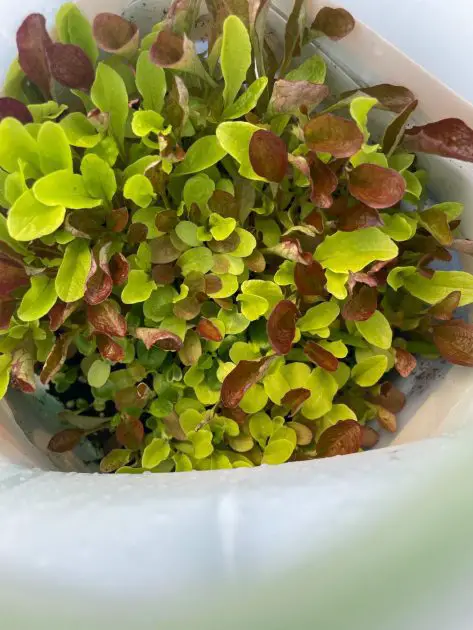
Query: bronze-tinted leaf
[70, 66]
[182, 15]
[333, 134]
[213, 284]
[207, 330]
[11, 108]
[164, 339]
[390, 397]
[394, 131]
[315, 219]
[295, 398]
[22, 371]
[60, 313]
[290, 96]
[341, 439]
[323, 182]
[56, 358]
[33, 41]
[12, 275]
[7, 308]
[191, 350]
[310, 279]
[405, 362]
[450, 138]
[361, 278]
[163, 251]
[320, 356]
[166, 220]
[173, 427]
[281, 326]
[164, 274]
[360, 217]
[387, 419]
[268, 155]
[454, 340]
[225, 204]
[132, 398]
[226, 246]
[117, 219]
[290, 249]
[99, 286]
[168, 49]
[241, 378]
[130, 433]
[334, 23]
[137, 233]
[188, 308]
[65, 440]
[361, 305]
[369, 437]
[376, 186]
[105, 318]
[114, 34]
[82, 224]
[119, 269]
[110, 349]
[395, 98]
[236, 414]
[255, 261]
[445, 309]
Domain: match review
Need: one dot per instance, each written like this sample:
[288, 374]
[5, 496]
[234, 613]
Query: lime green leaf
[151, 83]
[352, 251]
[221, 227]
[80, 132]
[38, 300]
[54, 150]
[261, 428]
[155, 453]
[336, 414]
[14, 187]
[296, 374]
[74, 28]
[159, 304]
[276, 386]
[253, 306]
[278, 452]
[183, 462]
[17, 144]
[99, 178]
[360, 107]
[323, 387]
[342, 375]
[138, 288]
[367, 156]
[226, 263]
[146, 122]
[413, 185]
[147, 216]
[66, 189]
[109, 94]
[187, 232]
[368, 371]
[336, 284]
[284, 276]
[140, 190]
[198, 189]
[397, 276]
[190, 419]
[266, 289]
[29, 219]
[241, 351]
[376, 330]
[234, 322]
[202, 154]
[202, 443]
[196, 259]
[98, 373]
[246, 245]
[235, 138]
[312, 69]
[401, 161]
[255, 399]
[399, 226]
[229, 286]
[206, 395]
[235, 57]
[435, 289]
[270, 230]
[74, 270]
[5, 366]
[247, 101]
[319, 316]
[141, 165]
[452, 209]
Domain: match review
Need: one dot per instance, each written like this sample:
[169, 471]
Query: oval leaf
[241, 378]
[281, 326]
[268, 155]
[11, 108]
[320, 356]
[164, 339]
[106, 319]
[361, 305]
[65, 440]
[341, 439]
[332, 134]
[70, 66]
[289, 96]
[450, 137]
[376, 186]
[454, 341]
[74, 270]
[207, 330]
[114, 34]
[334, 23]
[33, 41]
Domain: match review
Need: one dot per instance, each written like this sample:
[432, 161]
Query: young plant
[207, 257]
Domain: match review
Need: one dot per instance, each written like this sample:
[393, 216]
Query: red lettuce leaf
[114, 34]
[12, 275]
[310, 279]
[290, 96]
[361, 305]
[33, 41]
[241, 378]
[334, 23]
[405, 362]
[22, 371]
[281, 326]
[110, 349]
[454, 341]
[117, 219]
[164, 339]
[130, 433]
[65, 440]
[445, 309]
[376, 186]
[11, 108]
[390, 397]
[164, 274]
[60, 312]
[208, 331]
[394, 131]
[320, 356]
[395, 98]
[290, 249]
[450, 138]
[100, 283]
[106, 319]
[333, 134]
[70, 66]
[369, 437]
[7, 308]
[56, 358]
[295, 398]
[359, 217]
[268, 155]
[343, 438]
[119, 269]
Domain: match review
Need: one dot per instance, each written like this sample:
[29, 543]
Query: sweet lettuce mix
[211, 259]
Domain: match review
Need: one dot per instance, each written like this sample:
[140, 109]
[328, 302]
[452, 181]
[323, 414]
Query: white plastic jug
[375, 540]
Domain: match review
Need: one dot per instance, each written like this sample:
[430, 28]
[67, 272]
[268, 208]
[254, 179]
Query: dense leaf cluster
[209, 257]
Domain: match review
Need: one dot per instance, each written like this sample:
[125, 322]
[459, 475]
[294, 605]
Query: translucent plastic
[378, 540]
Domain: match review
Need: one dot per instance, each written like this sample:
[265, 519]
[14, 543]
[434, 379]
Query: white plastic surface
[374, 541]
